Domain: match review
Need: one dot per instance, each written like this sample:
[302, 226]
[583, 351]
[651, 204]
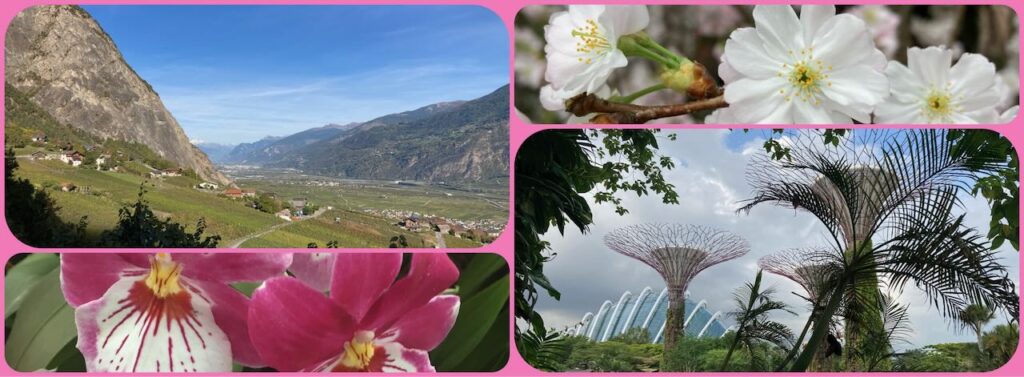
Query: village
[483, 231]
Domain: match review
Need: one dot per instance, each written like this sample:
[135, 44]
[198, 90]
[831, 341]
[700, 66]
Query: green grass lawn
[100, 194]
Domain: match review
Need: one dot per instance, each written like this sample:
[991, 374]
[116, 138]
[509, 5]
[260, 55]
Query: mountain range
[448, 141]
[64, 62]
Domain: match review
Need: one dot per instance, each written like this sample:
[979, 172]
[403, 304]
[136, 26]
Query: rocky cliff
[64, 61]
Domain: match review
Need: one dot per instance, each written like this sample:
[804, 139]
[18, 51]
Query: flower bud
[693, 79]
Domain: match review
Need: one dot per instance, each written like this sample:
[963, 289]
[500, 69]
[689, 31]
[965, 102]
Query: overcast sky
[709, 177]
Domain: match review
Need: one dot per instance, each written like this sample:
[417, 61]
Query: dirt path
[440, 240]
[238, 243]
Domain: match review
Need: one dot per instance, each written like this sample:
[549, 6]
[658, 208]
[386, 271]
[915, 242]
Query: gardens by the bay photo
[785, 250]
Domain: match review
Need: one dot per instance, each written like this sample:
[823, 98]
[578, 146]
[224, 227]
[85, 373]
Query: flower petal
[930, 64]
[425, 327]
[857, 84]
[904, 85]
[401, 359]
[625, 19]
[231, 313]
[895, 112]
[314, 269]
[129, 329]
[974, 75]
[429, 275]
[361, 278]
[779, 27]
[233, 267]
[844, 41]
[812, 17]
[747, 55]
[751, 101]
[86, 277]
[294, 326]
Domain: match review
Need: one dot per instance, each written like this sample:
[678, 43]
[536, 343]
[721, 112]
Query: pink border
[519, 131]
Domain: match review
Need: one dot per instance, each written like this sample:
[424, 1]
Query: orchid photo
[767, 64]
[224, 312]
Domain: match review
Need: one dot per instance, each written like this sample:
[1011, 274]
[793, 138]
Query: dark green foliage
[32, 216]
[138, 226]
[546, 349]
[1001, 186]
[398, 242]
[266, 203]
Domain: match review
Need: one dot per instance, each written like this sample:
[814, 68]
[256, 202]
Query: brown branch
[624, 113]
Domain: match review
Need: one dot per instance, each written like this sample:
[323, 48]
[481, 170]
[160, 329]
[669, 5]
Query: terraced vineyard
[352, 229]
[100, 194]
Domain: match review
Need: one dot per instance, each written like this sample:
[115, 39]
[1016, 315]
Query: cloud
[710, 180]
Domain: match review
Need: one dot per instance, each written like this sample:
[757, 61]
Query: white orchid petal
[129, 329]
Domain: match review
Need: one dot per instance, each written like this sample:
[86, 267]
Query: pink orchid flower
[370, 322]
[164, 312]
[314, 269]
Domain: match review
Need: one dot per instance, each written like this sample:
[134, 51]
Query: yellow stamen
[163, 276]
[591, 40]
[359, 351]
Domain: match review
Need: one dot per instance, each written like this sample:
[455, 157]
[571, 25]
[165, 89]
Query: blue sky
[233, 74]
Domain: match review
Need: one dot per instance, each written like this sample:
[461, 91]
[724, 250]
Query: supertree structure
[678, 252]
[806, 268]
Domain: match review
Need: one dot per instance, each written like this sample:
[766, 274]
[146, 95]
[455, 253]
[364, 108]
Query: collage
[511, 188]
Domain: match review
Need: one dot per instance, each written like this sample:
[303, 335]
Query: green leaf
[476, 316]
[68, 359]
[23, 276]
[43, 326]
[246, 288]
[479, 269]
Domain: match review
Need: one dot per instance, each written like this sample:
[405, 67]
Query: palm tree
[753, 306]
[976, 316]
[886, 200]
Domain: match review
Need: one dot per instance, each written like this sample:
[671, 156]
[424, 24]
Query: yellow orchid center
[163, 276]
[359, 351]
[590, 40]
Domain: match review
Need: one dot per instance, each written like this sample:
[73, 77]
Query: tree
[32, 215]
[753, 307]
[901, 187]
[553, 170]
[398, 242]
[976, 316]
[1000, 344]
[138, 226]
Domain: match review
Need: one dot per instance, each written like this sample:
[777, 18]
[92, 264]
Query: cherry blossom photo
[767, 64]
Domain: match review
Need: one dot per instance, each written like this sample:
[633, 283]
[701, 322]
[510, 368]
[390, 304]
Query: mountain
[274, 150]
[215, 151]
[456, 141]
[61, 58]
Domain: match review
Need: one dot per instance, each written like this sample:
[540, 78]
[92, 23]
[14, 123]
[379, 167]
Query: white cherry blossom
[928, 90]
[816, 68]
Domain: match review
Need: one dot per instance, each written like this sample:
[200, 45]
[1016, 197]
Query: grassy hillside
[100, 194]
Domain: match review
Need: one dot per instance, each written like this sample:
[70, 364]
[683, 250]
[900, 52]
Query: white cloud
[710, 180]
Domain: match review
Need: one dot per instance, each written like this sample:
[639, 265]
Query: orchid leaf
[42, 327]
[23, 276]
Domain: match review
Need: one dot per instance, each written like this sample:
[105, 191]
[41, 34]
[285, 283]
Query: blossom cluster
[178, 312]
[815, 67]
